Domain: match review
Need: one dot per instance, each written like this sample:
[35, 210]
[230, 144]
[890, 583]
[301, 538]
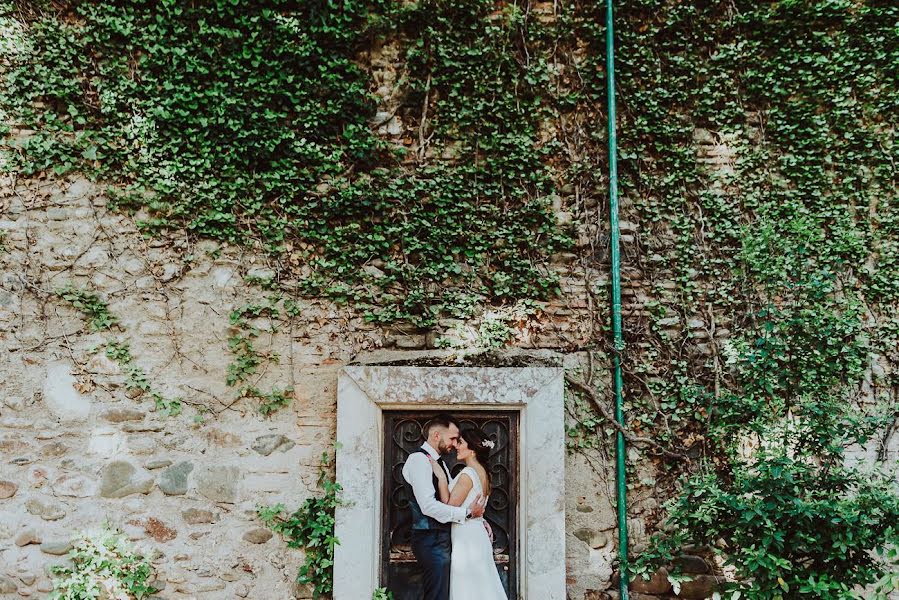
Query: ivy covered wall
[438, 169]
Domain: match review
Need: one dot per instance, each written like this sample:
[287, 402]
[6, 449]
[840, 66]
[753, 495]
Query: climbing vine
[249, 123]
[311, 527]
[758, 177]
[136, 379]
[118, 350]
[758, 146]
[247, 358]
[241, 372]
[91, 305]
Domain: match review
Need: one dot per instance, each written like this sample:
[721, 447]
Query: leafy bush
[791, 528]
[105, 566]
[787, 508]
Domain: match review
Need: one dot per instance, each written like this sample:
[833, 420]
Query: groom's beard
[442, 449]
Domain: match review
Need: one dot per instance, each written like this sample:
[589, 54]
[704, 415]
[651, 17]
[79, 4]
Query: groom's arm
[417, 471]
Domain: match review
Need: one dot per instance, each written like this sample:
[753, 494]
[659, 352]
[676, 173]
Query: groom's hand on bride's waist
[477, 507]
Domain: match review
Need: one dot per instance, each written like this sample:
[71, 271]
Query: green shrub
[783, 502]
[791, 527]
[105, 566]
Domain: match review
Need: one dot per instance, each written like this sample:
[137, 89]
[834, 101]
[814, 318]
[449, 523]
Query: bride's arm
[460, 490]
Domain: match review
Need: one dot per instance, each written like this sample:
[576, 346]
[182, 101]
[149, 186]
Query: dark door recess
[403, 434]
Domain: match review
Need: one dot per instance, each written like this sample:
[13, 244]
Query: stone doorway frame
[364, 391]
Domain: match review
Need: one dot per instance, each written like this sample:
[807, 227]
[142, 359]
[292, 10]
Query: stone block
[266, 444]
[56, 547]
[411, 341]
[120, 479]
[119, 415]
[26, 537]
[258, 535]
[74, 485]
[219, 483]
[196, 516]
[173, 481]
[45, 509]
[689, 563]
[8, 586]
[657, 584]
[54, 449]
[60, 395]
[57, 213]
[701, 587]
[591, 537]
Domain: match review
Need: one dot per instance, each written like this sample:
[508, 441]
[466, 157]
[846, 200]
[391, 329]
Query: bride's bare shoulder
[470, 474]
[464, 476]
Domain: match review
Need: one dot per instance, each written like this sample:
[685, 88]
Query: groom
[432, 519]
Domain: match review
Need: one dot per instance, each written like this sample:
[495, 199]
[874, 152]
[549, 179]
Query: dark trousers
[433, 548]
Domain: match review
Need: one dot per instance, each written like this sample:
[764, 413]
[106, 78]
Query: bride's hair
[476, 442]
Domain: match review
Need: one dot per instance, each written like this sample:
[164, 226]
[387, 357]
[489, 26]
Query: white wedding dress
[473, 573]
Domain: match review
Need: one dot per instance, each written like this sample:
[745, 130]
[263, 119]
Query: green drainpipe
[620, 470]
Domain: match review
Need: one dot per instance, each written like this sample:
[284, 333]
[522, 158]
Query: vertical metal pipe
[620, 467]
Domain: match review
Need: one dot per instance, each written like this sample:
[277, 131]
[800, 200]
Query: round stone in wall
[266, 444]
[28, 536]
[700, 587]
[259, 535]
[594, 539]
[196, 516]
[45, 509]
[7, 489]
[56, 547]
[75, 486]
[8, 586]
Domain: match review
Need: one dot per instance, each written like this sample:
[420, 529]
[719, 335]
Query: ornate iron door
[403, 433]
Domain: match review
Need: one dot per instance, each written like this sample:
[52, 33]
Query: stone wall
[81, 448]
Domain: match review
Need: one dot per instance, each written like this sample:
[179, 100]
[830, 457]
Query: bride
[472, 570]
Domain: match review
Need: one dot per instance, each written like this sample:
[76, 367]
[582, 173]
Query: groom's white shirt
[417, 471]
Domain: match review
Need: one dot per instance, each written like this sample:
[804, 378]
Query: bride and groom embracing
[450, 538]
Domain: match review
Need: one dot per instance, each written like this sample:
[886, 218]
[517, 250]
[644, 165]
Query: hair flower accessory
[488, 444]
